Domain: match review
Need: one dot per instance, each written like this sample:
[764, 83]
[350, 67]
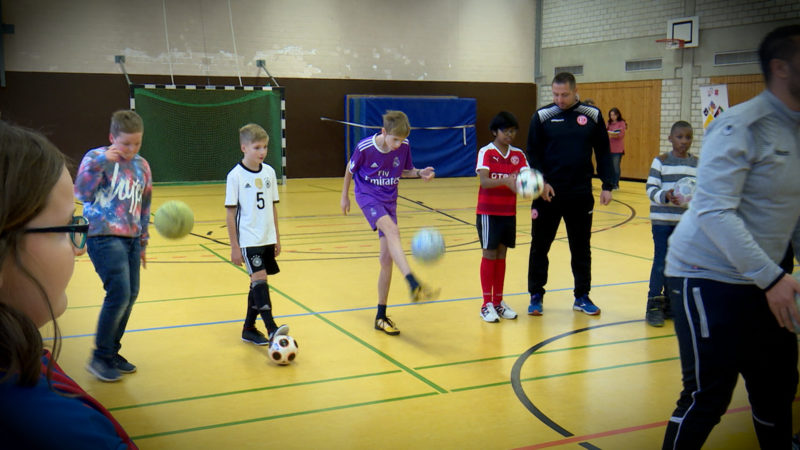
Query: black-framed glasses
[78, 229]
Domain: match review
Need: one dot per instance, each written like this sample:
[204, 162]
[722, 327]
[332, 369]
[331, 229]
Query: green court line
[564, 374]
[244, 391]
[397, 363]
[626, 341]
[281, 416]
[196, 297]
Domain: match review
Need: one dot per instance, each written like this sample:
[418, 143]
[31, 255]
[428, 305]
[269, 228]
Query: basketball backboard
[685, 28]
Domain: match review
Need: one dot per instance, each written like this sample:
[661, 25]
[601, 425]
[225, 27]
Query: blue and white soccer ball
[427, 245]
[684, 190]
[530, 184]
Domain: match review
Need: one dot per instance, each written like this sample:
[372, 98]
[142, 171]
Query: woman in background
[616, 137]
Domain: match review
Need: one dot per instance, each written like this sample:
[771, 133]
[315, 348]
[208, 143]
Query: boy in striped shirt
[666, 211]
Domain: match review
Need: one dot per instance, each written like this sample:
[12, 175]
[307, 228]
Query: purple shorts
[374, 211]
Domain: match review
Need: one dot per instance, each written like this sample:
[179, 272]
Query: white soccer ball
[427, 245]
[530, 184]
[283, 350]
[684, 190]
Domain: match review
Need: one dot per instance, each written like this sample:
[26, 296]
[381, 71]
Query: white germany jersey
[253, 193]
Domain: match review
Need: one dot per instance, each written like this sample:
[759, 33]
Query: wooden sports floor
[448, 381]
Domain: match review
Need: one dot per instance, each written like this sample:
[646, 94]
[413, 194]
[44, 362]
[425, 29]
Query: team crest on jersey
[259, 183]
[582, 120]
[515, 160]
[396, 162]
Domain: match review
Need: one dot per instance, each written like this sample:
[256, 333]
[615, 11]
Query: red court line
[588, 437]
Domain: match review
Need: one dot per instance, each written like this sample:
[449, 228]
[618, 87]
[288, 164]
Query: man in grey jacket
[733, 303]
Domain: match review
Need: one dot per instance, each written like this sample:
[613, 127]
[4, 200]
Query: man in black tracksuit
[560, 142]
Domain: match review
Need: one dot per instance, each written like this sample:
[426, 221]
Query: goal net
[191, 134]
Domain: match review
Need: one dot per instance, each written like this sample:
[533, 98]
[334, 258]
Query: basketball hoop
[672, 44]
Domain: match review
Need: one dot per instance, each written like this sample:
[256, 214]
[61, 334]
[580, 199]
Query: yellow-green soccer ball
[174, 219]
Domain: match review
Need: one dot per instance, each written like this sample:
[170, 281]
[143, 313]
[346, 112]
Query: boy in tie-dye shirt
[115, 185]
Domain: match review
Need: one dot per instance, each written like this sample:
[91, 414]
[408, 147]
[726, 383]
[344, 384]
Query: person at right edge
[561, 138]
[733, 303]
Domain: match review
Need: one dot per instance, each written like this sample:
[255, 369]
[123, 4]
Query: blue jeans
[116, 260]
[661, 234]
[616, 158]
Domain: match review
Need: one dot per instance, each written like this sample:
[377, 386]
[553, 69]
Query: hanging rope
[233, 36]
[166, 36]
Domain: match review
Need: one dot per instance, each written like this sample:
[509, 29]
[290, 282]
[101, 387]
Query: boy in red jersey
[498, 165]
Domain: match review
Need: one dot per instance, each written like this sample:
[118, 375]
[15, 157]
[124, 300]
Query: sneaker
[584, 304]
[488, 313]
[386, 325]
[282, 330]
[536, 307]
[103, 370]
[253, 336]
[504, 311]
[424, 292]
[123, 365]
[655, 312]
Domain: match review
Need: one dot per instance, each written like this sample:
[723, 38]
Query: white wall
[601, 35]
[437, 40]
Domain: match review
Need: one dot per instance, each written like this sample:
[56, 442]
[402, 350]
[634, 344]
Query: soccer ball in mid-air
[427, 245]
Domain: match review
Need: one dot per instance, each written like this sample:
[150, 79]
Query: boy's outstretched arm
[427, 173]
[345, 202]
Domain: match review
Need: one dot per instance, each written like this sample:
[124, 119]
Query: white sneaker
[488, 313]
[505, 311]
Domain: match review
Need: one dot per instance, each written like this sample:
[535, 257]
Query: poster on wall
[714, 101]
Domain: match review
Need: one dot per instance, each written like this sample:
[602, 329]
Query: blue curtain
[451, 151]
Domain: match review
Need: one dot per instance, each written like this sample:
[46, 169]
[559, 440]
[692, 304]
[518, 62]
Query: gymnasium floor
[449, 380]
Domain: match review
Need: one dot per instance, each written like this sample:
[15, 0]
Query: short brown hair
[565, 78]
[396, 123]
[252, 132]
[126, 121]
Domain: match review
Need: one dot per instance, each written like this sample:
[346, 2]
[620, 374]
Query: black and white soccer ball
[283, 350]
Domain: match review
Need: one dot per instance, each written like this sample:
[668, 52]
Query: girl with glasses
[40, 406]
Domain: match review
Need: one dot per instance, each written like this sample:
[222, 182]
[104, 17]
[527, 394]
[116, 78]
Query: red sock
[499, 279]
[487, 278]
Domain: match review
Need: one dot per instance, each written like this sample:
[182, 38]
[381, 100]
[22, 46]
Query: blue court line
[333, 311]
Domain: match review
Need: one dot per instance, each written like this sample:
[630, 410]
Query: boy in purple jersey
[115, 185]
[376, 166]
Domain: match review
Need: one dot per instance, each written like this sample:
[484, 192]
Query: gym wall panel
[741, 87]
[73, 109]
[640, 105]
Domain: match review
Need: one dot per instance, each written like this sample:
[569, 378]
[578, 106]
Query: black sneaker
[655, 312]
[103, 370]
[253, 336]
[123, 365]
